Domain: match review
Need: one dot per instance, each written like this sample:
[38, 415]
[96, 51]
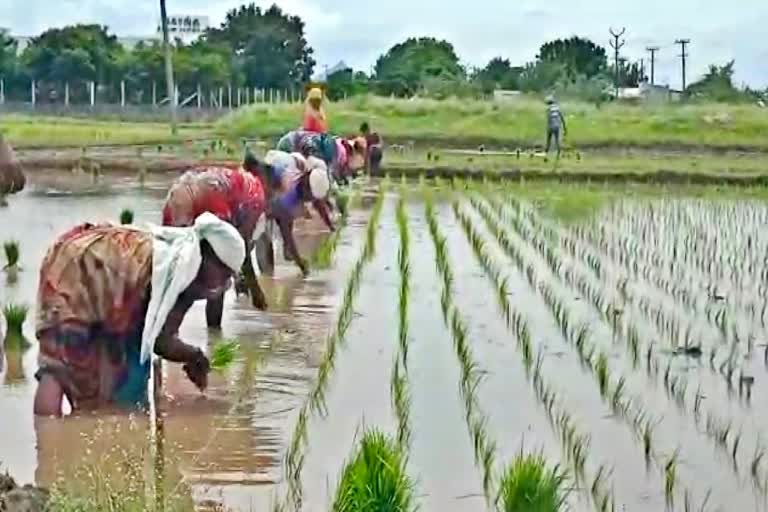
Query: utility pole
[653, 50]
[617, 45]
[683, 43]
[172, 99]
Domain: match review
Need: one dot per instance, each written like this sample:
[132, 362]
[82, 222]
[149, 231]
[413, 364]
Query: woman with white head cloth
[296, 180]
[111, 296]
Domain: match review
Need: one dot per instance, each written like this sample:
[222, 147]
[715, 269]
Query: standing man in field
[555, 120]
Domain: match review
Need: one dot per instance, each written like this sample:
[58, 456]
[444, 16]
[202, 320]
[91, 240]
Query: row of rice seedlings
[483, 446]
[400, 396]
[671, 287]
[611, 313]
[675, 387]
[629, 409]
[375, 478]
[580, 252]
[295, 455]
[718, 430]
[323, 257]
[575, 446]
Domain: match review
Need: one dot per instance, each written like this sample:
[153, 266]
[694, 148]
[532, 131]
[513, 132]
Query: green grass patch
[529, 485]
[375, 478]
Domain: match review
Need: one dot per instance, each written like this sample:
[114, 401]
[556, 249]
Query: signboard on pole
[185, 24]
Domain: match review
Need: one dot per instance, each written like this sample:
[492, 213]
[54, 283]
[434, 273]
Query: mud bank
[14, 498]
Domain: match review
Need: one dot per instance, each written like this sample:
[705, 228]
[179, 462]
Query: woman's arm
[286, 230]
[170, 347]
[251, 282]
[321, 205]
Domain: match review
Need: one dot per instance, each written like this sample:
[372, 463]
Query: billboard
[185, 24]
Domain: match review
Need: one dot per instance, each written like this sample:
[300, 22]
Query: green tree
[73, 54]
[498, 74]
[579, 56]
[542, 76]
[8, 59]
[346, 83]
[405, 67]
[269, 47]
[717, 85]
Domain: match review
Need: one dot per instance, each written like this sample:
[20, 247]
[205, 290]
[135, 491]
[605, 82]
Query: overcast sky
[358, 31]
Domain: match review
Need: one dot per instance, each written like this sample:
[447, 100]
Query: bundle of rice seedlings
[528, 485]
[11, 249]
[15, 316]
[223, 354]
[126, 216]
[375, 478]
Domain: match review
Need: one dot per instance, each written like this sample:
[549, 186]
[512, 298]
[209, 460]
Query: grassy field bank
[521, 123]
[433, 123]
[28, 131]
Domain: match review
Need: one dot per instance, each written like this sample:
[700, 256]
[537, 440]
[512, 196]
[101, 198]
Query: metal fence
[130, 101]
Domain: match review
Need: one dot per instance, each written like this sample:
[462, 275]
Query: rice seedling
[529, 485]
[15, 316]
[126, 216]
[670, 479]
[375, 478]
[11, 250]
[223, 354]
[602, 374]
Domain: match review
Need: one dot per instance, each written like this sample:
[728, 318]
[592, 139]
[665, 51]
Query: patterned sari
[92, 297]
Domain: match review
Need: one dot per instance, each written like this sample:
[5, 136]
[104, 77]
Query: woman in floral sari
[233, 195]
[110, 296]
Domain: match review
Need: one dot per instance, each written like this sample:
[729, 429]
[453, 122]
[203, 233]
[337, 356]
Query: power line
[653, 50]
[617, 45]
[683, 55]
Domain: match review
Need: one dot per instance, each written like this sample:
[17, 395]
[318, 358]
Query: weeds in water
[528, 485]
[223, 354]
[126, 216]
[375, 478]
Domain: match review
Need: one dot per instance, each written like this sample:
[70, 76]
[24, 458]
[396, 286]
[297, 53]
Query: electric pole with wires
[617, 45]
[172, 98]
[653, 50]
[683, 55]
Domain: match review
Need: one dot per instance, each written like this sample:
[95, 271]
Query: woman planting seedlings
[232, 195]
[110, 296]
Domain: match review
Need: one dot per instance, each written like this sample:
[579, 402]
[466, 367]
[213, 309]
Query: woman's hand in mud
[197, 370]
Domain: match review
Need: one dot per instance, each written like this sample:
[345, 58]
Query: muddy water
[228, 444]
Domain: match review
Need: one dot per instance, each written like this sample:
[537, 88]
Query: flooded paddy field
[624, 340]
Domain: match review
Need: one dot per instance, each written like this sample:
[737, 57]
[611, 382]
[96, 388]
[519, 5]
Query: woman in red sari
[314, 115]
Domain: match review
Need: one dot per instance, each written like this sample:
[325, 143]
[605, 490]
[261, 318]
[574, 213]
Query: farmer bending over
[234, 196]
[110, 296]
[555, 120]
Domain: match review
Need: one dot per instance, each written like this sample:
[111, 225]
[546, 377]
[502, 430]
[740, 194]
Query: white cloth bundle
[176, 260]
